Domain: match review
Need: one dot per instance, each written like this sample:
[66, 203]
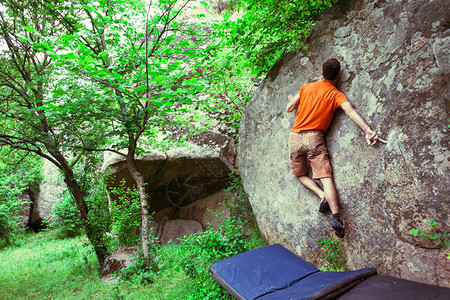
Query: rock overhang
[176, 176]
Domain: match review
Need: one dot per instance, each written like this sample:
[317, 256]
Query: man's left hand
[374, 138]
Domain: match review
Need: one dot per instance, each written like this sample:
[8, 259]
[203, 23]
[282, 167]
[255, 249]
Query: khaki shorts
[311, 146]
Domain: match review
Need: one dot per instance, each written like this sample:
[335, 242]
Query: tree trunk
[99, 247]
[140, 185]
[75, 190]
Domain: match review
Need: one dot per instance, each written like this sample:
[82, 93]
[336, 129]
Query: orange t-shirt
[318, 100]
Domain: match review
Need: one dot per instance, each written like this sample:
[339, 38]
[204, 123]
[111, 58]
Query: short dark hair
[331, 69]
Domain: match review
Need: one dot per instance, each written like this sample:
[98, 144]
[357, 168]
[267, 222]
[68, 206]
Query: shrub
[8, 222]
[200, 250]
[138, 272]
[18, 172]
[69, 223]
[334, 260]
[99, 215]
[441, 238]
[125, 210]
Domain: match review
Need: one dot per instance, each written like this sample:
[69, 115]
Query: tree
[114, 76]
[26, 78]
[266, 29]
[134, 63]
[253, 35]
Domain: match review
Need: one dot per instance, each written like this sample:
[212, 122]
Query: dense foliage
[333, 256]
[69, 223]
[125, 215]
[265, 29]
[19, 173]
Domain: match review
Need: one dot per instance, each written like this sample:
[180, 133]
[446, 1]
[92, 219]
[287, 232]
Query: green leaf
[88, 8]
[68, 37]
[29, 29]
[88, 60]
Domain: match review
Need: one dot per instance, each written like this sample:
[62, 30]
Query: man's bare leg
[329, 191]
[330, 194]
[311, 185]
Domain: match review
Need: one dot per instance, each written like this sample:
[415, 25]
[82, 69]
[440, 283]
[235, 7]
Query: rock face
[182, 184]
[51, 191]
[208, 211]
[395, 59]
[25, 211]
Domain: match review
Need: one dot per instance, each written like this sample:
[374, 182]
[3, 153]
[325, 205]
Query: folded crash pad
[392, 288]
[321, 285]
[273, 272]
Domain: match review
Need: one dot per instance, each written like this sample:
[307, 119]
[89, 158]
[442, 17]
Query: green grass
[45, 267]
[48, 268]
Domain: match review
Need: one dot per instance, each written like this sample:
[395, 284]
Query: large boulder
[172, 223]
[395, 58]
[172, 231]
[209, 211]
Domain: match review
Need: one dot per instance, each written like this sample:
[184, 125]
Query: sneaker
[324, 207]
[338, 226]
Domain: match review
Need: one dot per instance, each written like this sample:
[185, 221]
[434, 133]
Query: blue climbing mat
[274, 272]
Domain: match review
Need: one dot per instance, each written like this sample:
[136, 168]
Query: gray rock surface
[208, 211]
[192, 218]
[25, 211]
[170, 231]
[395, 59]
[51, 191]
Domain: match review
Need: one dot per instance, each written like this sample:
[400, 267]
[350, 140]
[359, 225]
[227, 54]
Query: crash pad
[274, 272]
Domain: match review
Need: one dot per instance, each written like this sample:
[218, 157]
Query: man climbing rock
[316, 103]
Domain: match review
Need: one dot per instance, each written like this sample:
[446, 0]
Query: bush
[9, 222]
[18, 172]
[139, 272]
[200, 250]
[334, 260]
[99, 216]
[69, 223]
[125, 212]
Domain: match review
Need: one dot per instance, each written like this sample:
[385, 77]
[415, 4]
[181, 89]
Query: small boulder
[172, 230]
[117, 260]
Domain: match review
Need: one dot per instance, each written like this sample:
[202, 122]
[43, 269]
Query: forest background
[79, 78]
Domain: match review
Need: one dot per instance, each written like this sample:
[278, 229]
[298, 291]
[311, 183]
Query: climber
[316, 103]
